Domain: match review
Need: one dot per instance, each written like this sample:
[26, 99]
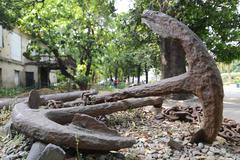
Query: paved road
[232, 102]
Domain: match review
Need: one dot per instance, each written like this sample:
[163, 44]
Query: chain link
[229, 130]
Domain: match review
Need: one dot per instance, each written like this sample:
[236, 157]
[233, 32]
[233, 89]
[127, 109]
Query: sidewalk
[232, 102]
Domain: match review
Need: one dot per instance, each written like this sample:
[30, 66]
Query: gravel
[15, 148]
[152, 135]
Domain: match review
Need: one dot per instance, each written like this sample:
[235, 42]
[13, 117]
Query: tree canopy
[103, 42]
[215, 22]
[68, 28]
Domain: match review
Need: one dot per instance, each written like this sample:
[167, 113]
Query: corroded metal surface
[229, 130]
[202, 79]
[63, 126]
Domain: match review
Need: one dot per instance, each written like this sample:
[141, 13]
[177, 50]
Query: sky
[239, 6]
[123, 5]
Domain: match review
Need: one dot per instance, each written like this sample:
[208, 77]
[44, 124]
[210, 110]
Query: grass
[24, 92]
[11, 92]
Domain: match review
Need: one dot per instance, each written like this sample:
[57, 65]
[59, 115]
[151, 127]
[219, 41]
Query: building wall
[34, 69]
[8, 74]
[53, 77]
[5, 51]
[12, 60]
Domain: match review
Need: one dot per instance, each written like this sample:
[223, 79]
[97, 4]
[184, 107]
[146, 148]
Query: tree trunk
[89, 64]
[146, 73]
[138, 73]
[116, 73]
[173, 62]
[62, 66]
[133, 79]
[128, 79]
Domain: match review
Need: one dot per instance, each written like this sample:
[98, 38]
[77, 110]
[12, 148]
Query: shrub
[11, 92]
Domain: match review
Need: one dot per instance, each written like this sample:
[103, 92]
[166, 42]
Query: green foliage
[131, 47]
[10, 11]
[110, 45]
[76, 29]
[108, 88]
[121, 85]
[11, 92]
[64, 83]
[215, 22]
[237, 79]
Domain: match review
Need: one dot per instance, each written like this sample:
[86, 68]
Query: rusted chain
[186, 114]
[229, 130]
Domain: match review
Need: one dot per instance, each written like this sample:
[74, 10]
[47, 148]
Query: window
[1, 37]
[16, 50]
[17, 78]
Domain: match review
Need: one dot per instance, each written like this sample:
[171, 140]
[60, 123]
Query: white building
[15, 69]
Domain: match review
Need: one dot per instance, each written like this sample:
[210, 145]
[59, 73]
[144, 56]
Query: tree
[137, 46]
[90, 33]
[215, 22]
[75, 29]
[11, 11]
